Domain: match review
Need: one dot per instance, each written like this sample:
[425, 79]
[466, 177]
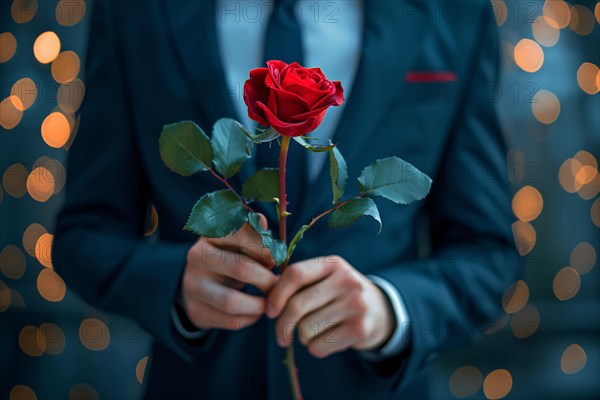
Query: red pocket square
[430, 76]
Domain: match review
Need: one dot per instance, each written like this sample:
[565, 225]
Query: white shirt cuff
[187, 334]
[401, 336]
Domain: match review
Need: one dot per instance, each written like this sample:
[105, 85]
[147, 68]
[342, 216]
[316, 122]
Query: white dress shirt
[332, 40]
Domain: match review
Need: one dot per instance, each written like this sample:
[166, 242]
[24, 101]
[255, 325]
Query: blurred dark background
[52, 345]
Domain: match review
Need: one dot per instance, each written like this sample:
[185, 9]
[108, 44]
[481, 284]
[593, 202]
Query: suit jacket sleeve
[98, 247]
[459, 288]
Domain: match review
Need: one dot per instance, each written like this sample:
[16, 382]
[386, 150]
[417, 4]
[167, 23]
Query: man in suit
[371, 317]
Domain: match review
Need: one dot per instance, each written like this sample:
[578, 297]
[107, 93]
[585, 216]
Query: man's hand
[333, 306]
[215, 272]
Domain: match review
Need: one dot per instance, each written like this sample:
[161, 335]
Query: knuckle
[358, 303]
[241, 270]
[359, 328]
[295, 274]
[230, 303]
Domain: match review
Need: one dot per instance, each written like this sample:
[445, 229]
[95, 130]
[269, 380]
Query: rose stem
[289, 357]
[285, 145]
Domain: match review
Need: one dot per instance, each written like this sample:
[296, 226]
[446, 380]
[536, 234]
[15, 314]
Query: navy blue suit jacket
[450, 257]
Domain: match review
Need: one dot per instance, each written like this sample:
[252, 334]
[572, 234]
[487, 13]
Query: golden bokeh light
[30, 237]
[589, 190]
[22, 392]
[544, 33]
[527, 204]
[465, 381]
[497, 384]
[14, 180]
[558, 13]
[83, 391]
[40, 184]
[5, 297]
[46, 47]
[43, 249]
[587, 78]
[140, 369]
[12, 262]
[566, 175]
[51, 286]
[582, 20]
[545, 107]
[566, 283]
[528, 55]
[56, 169]
[525, 237]
[595, 212]
[66, 67]
[8, 46]
[573, 359]
[597, 12]
[583, 258]
[56, 129]
[26, 91]
[500, 11]
[515, 297]
[525, 322]
[586, 158]
[94, 334]
[70, 12]
[586, 174]
[55, 338]
[32, 341]
[23, 11]
[70, 95]
[11, 112]
[152, 223]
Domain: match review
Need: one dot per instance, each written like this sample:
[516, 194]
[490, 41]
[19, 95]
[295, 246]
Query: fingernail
[271, 311]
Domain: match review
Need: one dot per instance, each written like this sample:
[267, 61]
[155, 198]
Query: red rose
[290, 98]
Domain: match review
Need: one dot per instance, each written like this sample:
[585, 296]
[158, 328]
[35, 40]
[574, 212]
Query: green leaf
[185, 148]
[394, 179]
[276, 247]
[339, 173]
[348, 213]
[262, 186]
[316, 148]
[262, 137]
[230, 147]
[296, 239]
[217, 214]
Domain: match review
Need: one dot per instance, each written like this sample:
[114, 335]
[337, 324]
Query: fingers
[314, 324]
[335, 339]
[295, 277]
[248, 242]
[238, 267]
[203, 316]
[307, 303]
[230, 301]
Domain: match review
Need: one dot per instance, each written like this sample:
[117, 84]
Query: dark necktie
[283, 41]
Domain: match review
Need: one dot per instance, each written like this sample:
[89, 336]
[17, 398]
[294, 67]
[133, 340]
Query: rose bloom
[290, 98]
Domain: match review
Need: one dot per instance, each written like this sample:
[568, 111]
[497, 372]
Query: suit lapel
[392, 35]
